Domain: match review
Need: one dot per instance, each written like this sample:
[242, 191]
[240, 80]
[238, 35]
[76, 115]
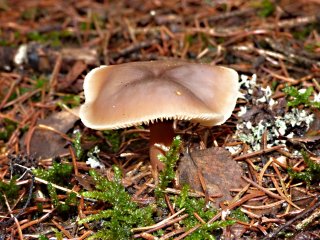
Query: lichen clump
[266, 115]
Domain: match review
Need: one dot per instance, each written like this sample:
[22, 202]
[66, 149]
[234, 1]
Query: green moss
[7, 127]
[62, 208]
[170, 159]
[303, 32]
[206, 212]
[181, 201]
[274, 85]
[54, 38]
[53, 195]
[204, 39]
[220, 40]
[59, 235]
[191, 205]
[40, 207]
[190, 39]
[311, 173]
[194, 205]
[77, 144]
[113, 137]
[122, 215]
[59, 173]
[296, 97]
[91, 24]
[312, 46]
[10, 190]
[43, 237]
[71, 100]
[41, 82]
[265, 8]
[4, 43]
[29, 13]
[159, 233]
[239, 215]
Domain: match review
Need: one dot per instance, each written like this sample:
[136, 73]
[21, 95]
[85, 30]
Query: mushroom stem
[161, 136]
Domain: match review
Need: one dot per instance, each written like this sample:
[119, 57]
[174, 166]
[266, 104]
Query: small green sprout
[7, 129]
[71, 100]
[122, 215]
[170, 159]
[59, 173]
[311, 47]
[71, 200]
[4, 43]
[43, 237]
[183, 196]
[59, 235]
[30, 13]
[77, 144]
[54, 38]
[239, 215]
[302, 33]
[194, 205]
[113, 136]
[10, 190]
[53, 195]
[265, 8]
[205, 211]
[297, 97]
[311, 173]
[40, 82]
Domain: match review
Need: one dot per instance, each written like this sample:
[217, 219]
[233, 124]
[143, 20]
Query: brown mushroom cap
[131, 94]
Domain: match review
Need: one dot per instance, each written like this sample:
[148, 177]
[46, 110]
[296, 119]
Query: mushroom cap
[131, 94]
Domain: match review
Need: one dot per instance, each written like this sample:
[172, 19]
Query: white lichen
[243, 110]
[280, 125]
[296, 117]
[21, 55]
[316, 97]
[251, 133]
[234, 149]
[93, 159]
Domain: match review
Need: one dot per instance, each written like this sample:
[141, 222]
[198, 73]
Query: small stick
[12, 216]
[271, 205]
[62, 229]
[287, 224]
[159, 223]
[172, 233]
[36, 221]
[188, 232]
[74, 161]
[54, 75]
[268, 192]
[168, 223]
[257, 153]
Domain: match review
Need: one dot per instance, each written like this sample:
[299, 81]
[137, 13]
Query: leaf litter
[46, 48]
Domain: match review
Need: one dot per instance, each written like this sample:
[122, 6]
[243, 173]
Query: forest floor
[254, 177]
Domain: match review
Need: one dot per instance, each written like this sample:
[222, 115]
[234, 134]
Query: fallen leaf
[47, 144]
[220, 172]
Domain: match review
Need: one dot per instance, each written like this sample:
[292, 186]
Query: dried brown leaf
[219, 171]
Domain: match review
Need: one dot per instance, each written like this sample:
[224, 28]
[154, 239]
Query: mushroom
[156, 93]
